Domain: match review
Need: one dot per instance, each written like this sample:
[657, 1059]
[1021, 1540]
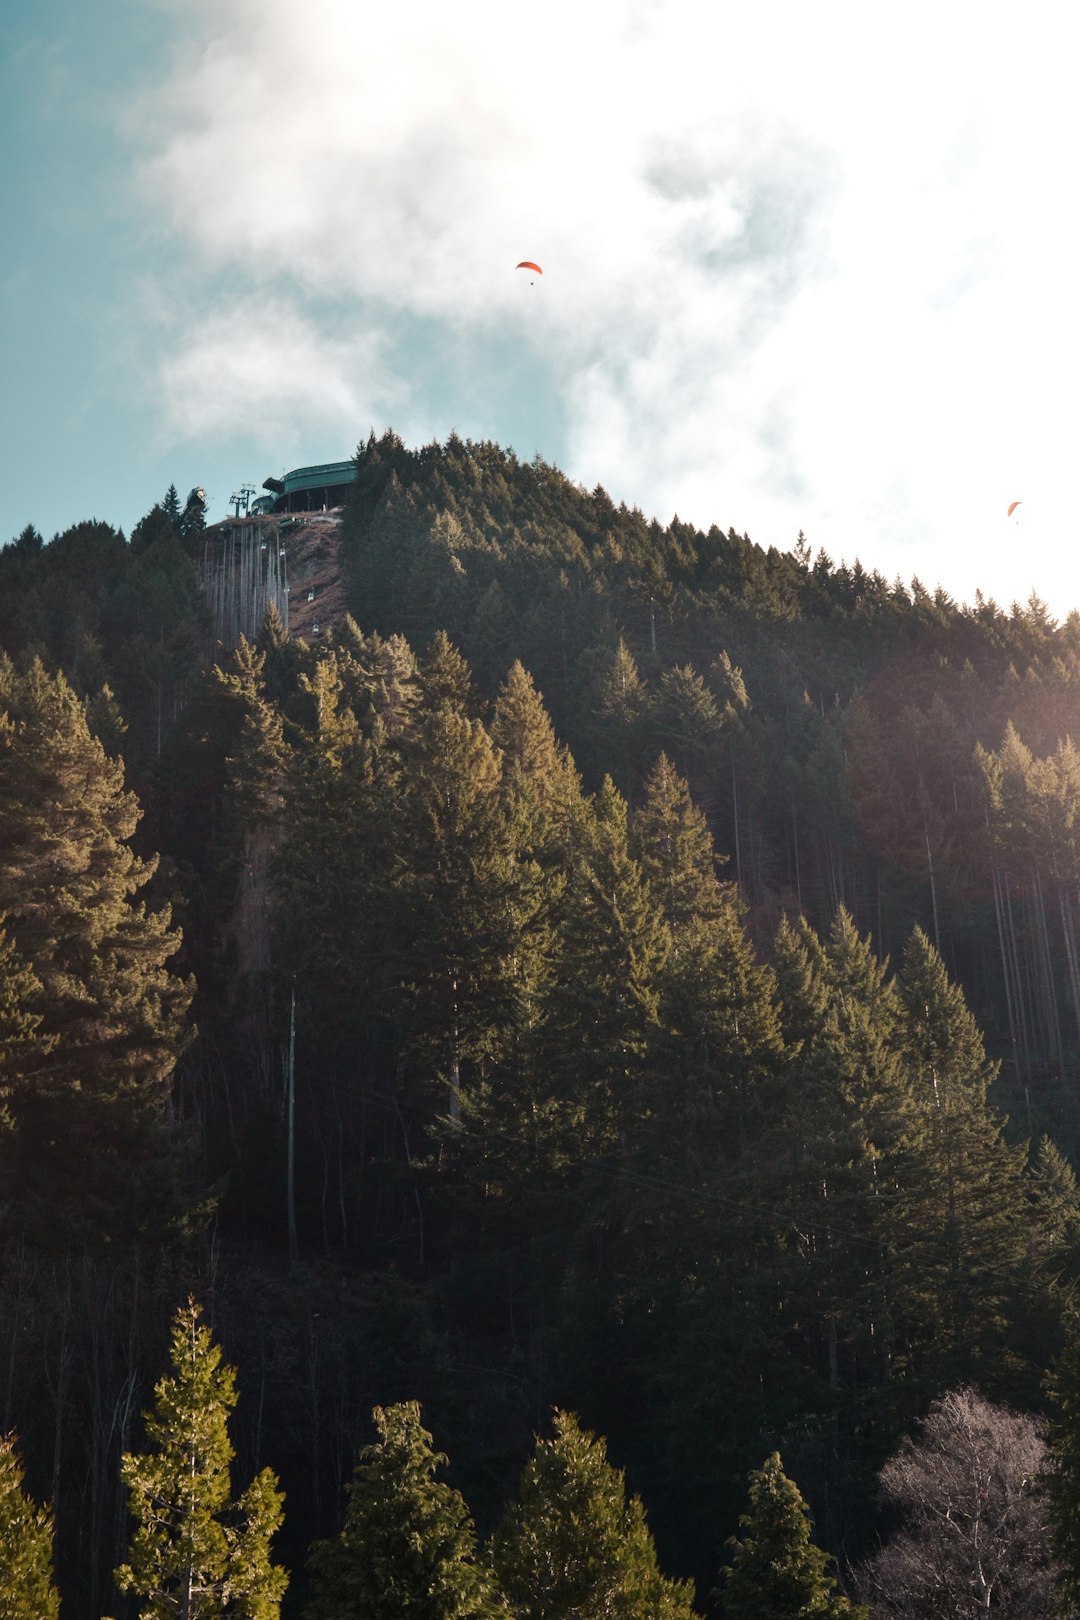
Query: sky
[805, 267]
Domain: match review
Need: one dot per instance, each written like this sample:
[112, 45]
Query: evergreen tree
[574, 1546]
[601, 1008]
[22, 1045]
[446, 678]
[99, 1159]
[959, 1233]
[464, 896]
[617, 708]
[27, 544]
[1054, 1196]
[839, 1138]
[670, 838]
[776, 1572]
[27, 1591]
[407, 1546]
[537, 769]
[195, 1554]
[689, 723]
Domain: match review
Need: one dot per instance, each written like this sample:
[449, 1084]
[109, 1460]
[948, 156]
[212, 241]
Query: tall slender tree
[601, 1011]
[959, 1232]
[101, 1159]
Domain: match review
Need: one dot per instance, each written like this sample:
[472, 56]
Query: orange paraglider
[1012, 508]
[527, 264]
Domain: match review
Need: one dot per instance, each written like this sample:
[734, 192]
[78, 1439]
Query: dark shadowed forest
[610, 1002]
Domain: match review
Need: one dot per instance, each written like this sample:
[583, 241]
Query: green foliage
[776, 1572]
[960, 1224]
[545, 1084]
[670, 838]
[407, 1546]
[97, 1157]
[601, 1004]
[195, 1553]
[27, 1591]
[574, 1545]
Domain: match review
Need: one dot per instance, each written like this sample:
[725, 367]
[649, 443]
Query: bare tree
[975, 1521]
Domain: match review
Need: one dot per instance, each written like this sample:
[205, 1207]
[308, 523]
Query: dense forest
[609, 1009]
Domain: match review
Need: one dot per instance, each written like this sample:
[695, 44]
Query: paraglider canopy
[527, 264]
[1012, 508]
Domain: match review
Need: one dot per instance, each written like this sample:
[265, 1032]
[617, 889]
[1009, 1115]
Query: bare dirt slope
[316, 587]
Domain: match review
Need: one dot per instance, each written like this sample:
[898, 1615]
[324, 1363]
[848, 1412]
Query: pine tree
[99, 1157]
[600, 1013]
[445, 677]
[959, 1231]
[27, 1591]
[407, 1546]
[670, 838]
[617, 708]
[1054, 1195]
[573, 1545]
[463, 895]
[195, 1554]
[537, 770]
[543, 813]
[22, 1045]
[776, 1572]
[840, 1133]
[688, 722]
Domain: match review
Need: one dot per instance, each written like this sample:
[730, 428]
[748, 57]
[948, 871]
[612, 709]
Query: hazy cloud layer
[804, 267]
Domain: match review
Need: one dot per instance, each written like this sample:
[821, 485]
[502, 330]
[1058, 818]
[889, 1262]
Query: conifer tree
[463, 895]
[22, 1045]
[688, 721]
[618, 705]
[445, 676]
[27, 1590]
[407, 1546]
[960, 1227]
[195, 1553]
[573, 1545]
[537, 770]
[69, 882]
[601, 1009]
[1054, 1196]
[840, 1135]
[544, 814]
[379, 678]
[776, 1572]
[670, 838]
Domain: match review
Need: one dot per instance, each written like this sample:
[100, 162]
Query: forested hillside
[617, 969]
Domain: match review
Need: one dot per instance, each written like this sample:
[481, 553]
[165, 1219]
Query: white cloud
[258, 368]
[804, 266]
